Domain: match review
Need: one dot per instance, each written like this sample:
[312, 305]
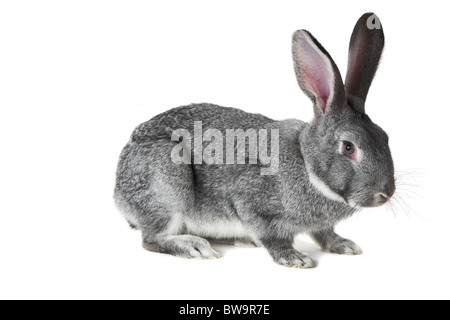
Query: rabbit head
[347, 155]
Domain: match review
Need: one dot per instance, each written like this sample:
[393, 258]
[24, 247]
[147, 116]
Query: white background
[77, 76]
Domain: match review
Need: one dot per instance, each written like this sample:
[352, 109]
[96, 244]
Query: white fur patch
[217, 230]
[322, 187]
[176, 225]
[359, 155]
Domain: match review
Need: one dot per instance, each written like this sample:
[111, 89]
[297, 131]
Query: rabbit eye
[349, 149]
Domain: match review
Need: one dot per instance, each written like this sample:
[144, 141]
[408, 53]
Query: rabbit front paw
[294, 259]
[346, 247]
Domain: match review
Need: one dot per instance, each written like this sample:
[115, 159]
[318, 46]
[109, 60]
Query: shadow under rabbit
[223, 246]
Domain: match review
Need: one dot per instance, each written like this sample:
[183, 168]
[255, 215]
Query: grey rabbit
[328, 169]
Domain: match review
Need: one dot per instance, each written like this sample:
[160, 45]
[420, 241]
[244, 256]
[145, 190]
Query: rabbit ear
[317, 73]
[366, 47]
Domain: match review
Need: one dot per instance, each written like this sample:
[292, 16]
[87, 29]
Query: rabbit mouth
[377, 200]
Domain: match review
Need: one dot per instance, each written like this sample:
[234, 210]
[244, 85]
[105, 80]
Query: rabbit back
[211, 116]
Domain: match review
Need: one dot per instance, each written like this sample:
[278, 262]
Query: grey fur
[177, 206]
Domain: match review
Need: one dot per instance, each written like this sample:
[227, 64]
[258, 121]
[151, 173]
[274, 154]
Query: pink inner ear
[321, 90]
[316, 72]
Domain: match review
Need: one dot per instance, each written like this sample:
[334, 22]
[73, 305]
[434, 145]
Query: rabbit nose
[387, 193]
[389, 188]
[382, 197]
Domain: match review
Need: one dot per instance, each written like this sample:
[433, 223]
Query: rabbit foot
[183, 246]
[346, 247]
[331, 242]
[293, 259]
